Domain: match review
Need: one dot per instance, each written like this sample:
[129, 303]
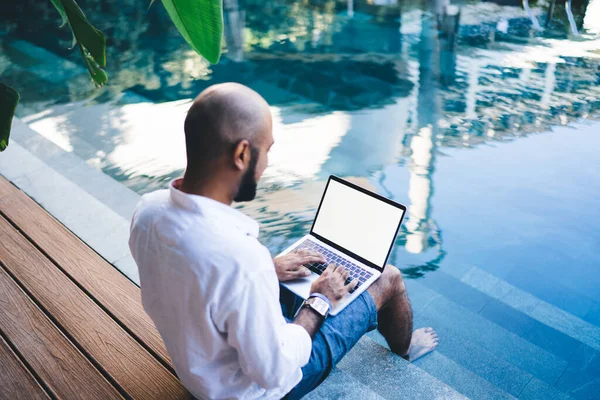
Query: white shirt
[211, 289]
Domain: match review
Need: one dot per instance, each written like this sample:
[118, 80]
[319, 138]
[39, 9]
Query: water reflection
[436, 67]
[234, 22]
[373, 91]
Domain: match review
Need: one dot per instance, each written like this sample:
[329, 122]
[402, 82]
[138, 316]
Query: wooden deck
[71, 325]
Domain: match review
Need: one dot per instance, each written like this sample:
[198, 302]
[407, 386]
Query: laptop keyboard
[332, 258]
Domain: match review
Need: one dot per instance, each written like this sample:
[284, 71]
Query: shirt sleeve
[271, 350]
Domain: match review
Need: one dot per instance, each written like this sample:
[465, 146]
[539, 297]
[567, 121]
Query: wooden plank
[64, 370]
[101, 280]
[119, 355]
[15, 380]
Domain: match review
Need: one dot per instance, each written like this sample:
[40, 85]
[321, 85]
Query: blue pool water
[486, 131]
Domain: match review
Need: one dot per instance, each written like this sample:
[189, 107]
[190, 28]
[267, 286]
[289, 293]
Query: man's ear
[241, 154]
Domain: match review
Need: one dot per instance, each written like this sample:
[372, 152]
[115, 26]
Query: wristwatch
[317, 304]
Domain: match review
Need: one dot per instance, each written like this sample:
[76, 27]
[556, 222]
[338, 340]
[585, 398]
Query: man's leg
[385, 302]
[395, 317]
[337, 336]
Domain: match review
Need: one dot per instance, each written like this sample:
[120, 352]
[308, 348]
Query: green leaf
[61, 10]
[91, 42]
[98, 74]
[87, 36]
[9, 98]
[200, 22]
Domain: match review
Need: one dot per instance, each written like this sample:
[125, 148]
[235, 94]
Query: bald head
[219, 118]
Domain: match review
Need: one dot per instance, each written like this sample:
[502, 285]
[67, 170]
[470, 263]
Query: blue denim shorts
[337, 336]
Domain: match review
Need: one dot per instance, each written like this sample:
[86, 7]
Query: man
[212, 289]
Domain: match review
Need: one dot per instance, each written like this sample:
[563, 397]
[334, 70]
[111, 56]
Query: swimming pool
[474, 129]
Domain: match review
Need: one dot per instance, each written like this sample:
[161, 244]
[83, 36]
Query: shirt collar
[213, 209]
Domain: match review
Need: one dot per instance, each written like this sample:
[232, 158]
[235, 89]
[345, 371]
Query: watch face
[319, 305]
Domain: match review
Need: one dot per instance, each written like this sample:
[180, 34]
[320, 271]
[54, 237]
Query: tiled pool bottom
[526, 331]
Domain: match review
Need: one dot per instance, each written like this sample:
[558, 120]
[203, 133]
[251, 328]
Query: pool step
[474, 371]
[370, 364]
[105, 189]
[390, 376]
[557, 330]
[370, 371]
[47, 65]
[535, 308]
[538, 390]
[480, 346]
[439, 365]
[340, 385]
[443, 312]
[516, 311]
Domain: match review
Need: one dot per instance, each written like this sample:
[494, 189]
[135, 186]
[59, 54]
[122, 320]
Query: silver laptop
[353, 227]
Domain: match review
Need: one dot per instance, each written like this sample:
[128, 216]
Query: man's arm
[309, 320]
[270, 350]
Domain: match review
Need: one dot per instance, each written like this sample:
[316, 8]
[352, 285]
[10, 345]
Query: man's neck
[205, 189]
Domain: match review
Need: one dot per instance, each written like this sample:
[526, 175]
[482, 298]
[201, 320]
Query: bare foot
[423, 341]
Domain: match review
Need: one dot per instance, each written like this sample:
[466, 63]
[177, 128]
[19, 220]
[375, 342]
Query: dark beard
[247, 189]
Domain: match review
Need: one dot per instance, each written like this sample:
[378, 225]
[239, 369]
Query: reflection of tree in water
[340, 83]
[299, 23]
[287, 42]
[419, 246]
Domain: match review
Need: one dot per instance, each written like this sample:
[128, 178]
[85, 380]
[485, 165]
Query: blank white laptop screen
[362, 224]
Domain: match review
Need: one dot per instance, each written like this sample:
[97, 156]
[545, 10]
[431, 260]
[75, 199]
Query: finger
[312, 258]
[296, 268]
[340, 270]
[306, 256]
[316, 255]
[345, 274]
[330, 269]
[307, 253]
[302, 272]
[352, 284]
[300, 252]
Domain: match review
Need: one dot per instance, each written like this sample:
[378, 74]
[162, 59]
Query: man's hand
[291, 265]
[332, 283]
